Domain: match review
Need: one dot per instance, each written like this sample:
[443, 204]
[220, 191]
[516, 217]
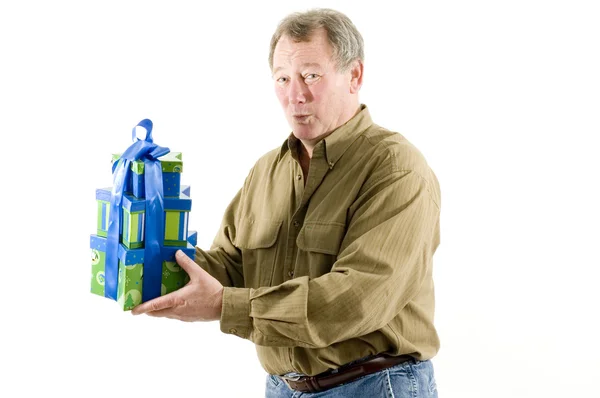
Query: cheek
[280, 95]
[324, 98]
[319, 95]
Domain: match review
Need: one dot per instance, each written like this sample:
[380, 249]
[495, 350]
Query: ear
[356, 76]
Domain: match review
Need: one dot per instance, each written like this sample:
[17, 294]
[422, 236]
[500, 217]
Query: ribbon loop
[147, 124]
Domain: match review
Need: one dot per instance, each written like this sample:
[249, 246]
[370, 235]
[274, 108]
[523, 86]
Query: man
[324, 257]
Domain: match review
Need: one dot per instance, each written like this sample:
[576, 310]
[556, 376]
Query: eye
[281, 80]
[311, 76]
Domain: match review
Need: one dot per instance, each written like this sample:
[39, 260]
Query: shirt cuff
[235, 314]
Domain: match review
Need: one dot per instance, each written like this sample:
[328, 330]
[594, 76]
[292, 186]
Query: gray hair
[343, 36]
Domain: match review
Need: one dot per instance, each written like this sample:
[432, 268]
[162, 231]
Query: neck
[309, 145]
[306, 148]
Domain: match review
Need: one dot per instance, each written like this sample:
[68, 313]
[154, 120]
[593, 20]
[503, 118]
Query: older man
[324, 257]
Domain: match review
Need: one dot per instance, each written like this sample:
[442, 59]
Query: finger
[171, 314]
[166, 313]
[188, 265]
[157, 304]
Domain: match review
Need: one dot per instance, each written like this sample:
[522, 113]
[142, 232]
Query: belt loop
[313, 384]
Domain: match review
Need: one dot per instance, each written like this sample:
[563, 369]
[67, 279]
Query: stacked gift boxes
[132, 221]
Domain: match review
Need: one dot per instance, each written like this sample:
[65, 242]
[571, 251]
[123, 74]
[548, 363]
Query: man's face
[315, 97]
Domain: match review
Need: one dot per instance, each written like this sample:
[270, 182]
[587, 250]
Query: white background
[502, 98]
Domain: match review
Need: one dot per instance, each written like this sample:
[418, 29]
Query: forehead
[316, 50]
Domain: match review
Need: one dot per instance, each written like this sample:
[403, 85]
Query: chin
[304, 132]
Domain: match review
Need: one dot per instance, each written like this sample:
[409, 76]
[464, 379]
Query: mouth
[301, 118]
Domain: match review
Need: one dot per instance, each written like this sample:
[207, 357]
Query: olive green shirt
[322, 272]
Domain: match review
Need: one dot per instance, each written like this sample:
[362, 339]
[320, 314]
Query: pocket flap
[257, 234]
[321, 237]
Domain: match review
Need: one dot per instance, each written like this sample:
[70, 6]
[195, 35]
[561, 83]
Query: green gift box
[172, 167]
[131, 271]
[133, 213]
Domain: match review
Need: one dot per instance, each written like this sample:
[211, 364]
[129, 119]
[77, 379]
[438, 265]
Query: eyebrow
[308, 64]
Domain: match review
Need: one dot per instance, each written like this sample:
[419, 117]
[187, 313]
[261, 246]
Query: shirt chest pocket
[257, 240]
[319, 245]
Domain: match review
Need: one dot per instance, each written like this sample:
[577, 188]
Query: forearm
[317, 313]
[221, 265]
[224, 261]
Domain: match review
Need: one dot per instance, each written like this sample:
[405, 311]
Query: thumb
[188, 265]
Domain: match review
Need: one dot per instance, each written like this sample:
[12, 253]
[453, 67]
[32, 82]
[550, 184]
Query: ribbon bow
[149, 152]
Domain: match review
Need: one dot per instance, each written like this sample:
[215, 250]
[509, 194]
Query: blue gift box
[133, 217]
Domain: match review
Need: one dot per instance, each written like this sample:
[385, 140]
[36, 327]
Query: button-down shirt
[319, 273]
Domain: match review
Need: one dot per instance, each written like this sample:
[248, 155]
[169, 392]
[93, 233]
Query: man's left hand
[199, 300]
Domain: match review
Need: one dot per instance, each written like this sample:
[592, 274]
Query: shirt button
[296, 223]
[232, 331]
[298, 177]
[291, 273]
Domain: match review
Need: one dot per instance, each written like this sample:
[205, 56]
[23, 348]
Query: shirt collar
[338, 141]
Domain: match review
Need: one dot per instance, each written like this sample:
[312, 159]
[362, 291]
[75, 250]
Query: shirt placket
[316, 173]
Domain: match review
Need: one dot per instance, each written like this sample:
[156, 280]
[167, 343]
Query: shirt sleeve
[383, 260]
[224, 260]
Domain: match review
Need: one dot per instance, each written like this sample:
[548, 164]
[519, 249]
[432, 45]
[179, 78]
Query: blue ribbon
[154, 230]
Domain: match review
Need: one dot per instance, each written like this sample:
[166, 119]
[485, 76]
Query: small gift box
[103, 199]
[172, 167]
[177, 210]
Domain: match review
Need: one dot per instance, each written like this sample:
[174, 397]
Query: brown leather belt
[344, 374]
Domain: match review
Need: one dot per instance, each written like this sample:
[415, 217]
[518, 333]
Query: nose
[297, 91]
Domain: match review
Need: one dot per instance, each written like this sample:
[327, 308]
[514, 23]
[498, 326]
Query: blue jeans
[412, 379]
